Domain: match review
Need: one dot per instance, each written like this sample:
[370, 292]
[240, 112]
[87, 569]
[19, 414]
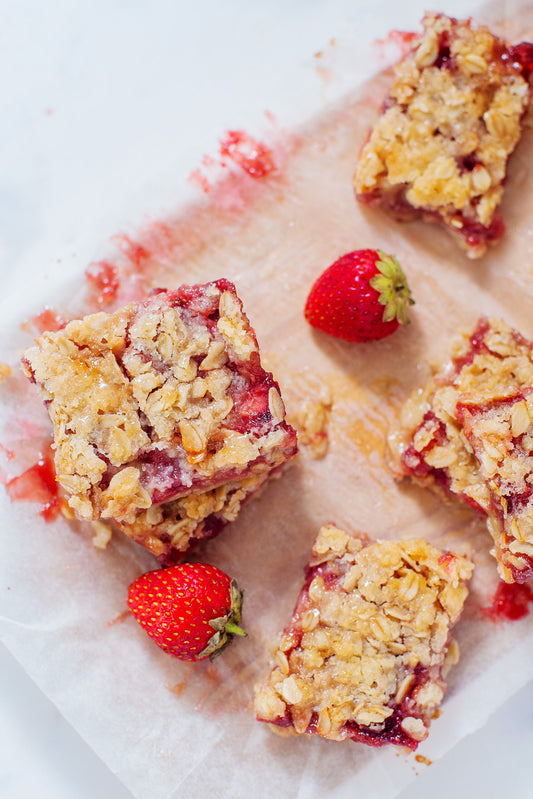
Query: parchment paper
[169, 729]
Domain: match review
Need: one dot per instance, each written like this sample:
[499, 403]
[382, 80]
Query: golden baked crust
[364, 654]
[452, 118]
[157, 401]
[469, 431]
[170, 529]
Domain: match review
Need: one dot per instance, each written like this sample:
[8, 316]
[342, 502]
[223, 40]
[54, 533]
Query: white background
[106, 109]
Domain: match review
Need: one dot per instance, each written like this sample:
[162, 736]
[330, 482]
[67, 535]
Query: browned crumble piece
[453, 117]
[5, 371]
[366, 652]
[469, 432]
[164, 419]
[311, 419]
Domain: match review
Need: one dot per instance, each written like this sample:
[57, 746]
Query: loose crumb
[5, 371]
[311, 419]
[102, 534]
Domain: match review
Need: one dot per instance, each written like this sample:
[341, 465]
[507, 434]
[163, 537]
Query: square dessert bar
[158, 401]
[366, 652]
[451, 120]
[469, 431]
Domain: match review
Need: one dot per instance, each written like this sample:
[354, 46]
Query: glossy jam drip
[523, 54]
[443, 60]
[510, 602]
[38, 484]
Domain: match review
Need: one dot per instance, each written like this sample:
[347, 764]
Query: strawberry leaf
[391, 284]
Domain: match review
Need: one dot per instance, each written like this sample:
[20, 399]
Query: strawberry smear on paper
[396, 40]
[104, 281]
[47, 319]
[254, 157]
[135, 252]
[510, 602]
[38, 484]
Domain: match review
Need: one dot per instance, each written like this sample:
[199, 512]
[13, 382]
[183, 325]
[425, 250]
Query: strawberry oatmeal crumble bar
[469, 432]
[164, 419]
[366, 652]
[451, 120]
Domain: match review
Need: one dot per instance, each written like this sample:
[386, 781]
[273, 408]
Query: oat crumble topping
[367, 648]
[452, 119]
[311, 419]
[469, 431]
[5, 371]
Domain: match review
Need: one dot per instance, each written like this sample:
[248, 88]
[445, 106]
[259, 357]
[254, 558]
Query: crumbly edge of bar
[493, 374]
[169, 530]
[501, 438]
[102, 392]
[350, 653]
[442, 142]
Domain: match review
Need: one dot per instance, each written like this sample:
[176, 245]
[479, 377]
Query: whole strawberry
[361, 297]
[192, 611]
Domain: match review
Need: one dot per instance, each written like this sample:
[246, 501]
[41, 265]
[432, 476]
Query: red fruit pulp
[37, 484]
[253, 156]
[510, 602]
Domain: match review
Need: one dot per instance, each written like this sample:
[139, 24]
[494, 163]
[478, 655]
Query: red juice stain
[120, 618]
[198, 177]
[38, 484]
[103, 278]
[9, 453]
[254, 157]
[48, 319]
[402, 40]
[135, 252]
[510, 602]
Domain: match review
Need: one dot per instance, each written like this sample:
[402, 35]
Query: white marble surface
[93, 89]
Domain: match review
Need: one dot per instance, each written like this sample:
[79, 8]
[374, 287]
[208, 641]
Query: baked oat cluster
[366, 652]
[164, 419]
[469, 432]
[170, 529]
[452, 119]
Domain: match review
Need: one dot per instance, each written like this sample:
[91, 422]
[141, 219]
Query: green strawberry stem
[225, 626]
[234, 629]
